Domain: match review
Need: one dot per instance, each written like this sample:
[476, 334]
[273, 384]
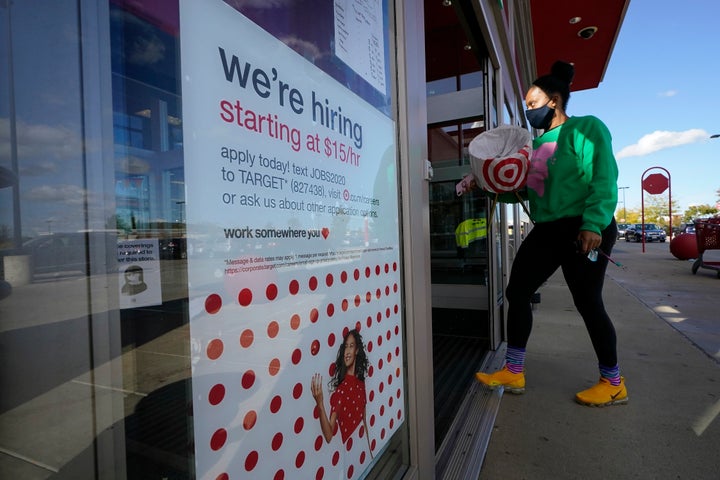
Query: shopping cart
[707, 234]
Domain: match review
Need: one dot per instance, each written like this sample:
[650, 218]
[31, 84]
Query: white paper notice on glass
[139, 271]
[359, 40]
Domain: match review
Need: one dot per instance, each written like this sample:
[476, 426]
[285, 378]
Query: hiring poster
[295, 300]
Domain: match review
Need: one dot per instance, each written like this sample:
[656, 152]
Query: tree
[632, 215]
[696, 211]
[656, 211]
[117, 222]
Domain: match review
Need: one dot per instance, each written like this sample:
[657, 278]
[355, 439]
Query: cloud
[668, 93]
[660, 140]
[307, 49]
[146, 51]
[41, 143]
[66, 194]
[37, 169]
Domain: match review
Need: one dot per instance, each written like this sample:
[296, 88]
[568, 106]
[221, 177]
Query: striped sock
[611, 373]
[515, 359]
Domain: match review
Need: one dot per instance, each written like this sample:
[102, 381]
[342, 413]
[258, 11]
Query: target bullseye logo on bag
[500, 175]
[500, 158]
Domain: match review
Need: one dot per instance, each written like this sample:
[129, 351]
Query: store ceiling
[556, 27]
[556, 36]
[446, 54]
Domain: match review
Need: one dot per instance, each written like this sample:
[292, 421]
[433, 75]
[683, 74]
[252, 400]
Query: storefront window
[58, 251]
[289, 154]
[198, 210]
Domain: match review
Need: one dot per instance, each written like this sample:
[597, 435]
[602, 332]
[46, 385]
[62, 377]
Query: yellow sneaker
[603, 394]
[513, 382]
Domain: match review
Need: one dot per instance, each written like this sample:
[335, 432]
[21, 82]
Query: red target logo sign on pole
[655, 184]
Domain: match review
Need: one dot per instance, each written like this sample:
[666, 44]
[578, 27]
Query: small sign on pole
[655, 184]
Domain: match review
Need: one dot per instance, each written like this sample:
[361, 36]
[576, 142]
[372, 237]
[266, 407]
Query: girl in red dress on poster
[348, 400]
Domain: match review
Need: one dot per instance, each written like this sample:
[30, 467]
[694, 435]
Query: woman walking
[572, 193]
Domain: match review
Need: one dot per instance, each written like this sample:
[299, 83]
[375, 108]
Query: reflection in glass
[458, 238]
[92, 216]
[56, 231]
[150, 200]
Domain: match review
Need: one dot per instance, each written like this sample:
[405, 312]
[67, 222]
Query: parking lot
[667, 286]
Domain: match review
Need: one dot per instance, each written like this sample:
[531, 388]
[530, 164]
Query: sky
[659, 98]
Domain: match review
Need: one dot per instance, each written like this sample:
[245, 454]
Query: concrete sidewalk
[668, 430]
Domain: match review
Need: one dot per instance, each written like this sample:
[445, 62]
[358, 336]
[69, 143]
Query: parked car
[622, 227]
[89, 252]
[653, 233]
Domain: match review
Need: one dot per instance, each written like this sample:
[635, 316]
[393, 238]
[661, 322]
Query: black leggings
[548, 246]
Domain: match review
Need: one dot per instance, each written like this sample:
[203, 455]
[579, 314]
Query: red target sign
[655, 183]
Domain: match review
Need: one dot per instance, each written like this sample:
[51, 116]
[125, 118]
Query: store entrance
[459, 284]
[459, 226]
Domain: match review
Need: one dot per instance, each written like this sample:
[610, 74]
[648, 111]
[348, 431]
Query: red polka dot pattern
[260, 347]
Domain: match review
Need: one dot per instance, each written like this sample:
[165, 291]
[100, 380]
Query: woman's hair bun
[563, 71]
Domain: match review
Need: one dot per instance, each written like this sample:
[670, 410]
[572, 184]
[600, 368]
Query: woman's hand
[327, 425]
[466, 184]
[316, 388]
[588, 240]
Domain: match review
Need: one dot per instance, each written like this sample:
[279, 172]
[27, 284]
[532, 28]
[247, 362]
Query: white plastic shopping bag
[500, 159]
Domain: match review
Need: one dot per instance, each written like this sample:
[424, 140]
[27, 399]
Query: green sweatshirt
[574, 173]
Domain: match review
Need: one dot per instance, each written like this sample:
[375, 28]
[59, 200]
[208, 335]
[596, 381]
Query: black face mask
[541, 117]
